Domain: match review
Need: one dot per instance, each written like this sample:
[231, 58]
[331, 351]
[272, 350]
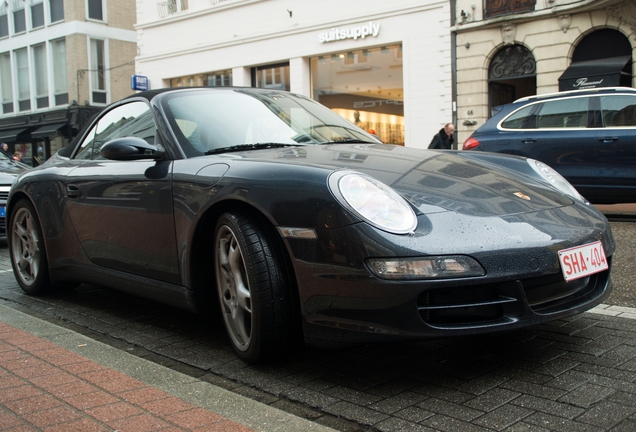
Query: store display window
[366, 87]
[211, 79]
[274, 77]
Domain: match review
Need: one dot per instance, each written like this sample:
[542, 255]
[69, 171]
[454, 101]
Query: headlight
[555, 179]
[436, 267]
[373, 202]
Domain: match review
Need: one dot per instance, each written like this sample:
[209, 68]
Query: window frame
[60, 77]
[35, 11]
[273, 71]
[537, 107]
[94, 70]
[102, 3]
[52, 19]
[6, 84]
[17, 7]
[40, 73]
[24, 104]
[92, 137]
[4, 19]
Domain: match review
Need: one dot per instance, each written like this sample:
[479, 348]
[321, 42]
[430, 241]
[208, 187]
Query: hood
[12, 167]
[432, 181]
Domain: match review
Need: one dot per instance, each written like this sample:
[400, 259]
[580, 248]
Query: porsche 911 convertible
[299, 226]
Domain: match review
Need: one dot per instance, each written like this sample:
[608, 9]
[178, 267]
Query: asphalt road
[569, 375]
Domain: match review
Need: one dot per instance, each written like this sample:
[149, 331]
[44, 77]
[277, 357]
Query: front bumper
[342, 302]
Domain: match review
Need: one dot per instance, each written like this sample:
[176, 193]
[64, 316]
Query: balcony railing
[506, 7]
[171, 7]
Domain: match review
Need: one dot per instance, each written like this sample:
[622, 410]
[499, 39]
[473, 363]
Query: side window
[564, 113]
[525, 118]
[130, 120]
[618, 111]
[86, 148]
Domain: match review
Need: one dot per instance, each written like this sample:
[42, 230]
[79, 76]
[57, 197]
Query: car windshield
[207, 122]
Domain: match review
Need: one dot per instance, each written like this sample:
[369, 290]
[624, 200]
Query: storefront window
[212, 79]
[364, 86]
[274, 77]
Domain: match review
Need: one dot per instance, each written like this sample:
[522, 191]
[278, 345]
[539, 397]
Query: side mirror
[130, 148]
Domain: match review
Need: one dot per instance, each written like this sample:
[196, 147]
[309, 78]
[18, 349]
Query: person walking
[444, 138]
[4, 148]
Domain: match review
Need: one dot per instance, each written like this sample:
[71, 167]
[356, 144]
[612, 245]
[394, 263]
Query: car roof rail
[576, 92]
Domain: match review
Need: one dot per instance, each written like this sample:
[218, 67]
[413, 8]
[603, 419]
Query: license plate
[581, 261]
[3, 211]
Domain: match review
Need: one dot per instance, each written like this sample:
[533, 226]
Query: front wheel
[253, 288]
[28, 253]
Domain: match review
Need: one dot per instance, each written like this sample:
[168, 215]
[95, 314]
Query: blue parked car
[588, 136]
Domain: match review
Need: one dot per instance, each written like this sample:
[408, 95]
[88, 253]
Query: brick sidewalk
[46, 387]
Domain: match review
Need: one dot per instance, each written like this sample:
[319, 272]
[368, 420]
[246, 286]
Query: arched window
[602, 44]
[511, 75]
[603, 58]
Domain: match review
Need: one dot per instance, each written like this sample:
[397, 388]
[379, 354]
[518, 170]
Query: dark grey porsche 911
[300, 225]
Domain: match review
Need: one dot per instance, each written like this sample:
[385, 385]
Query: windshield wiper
[349, 141]
[241, 147]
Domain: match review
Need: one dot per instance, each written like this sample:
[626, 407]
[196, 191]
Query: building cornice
[326, 25]
[59, 30]
[555, 11]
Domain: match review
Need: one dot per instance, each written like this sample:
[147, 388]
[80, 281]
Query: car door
[562, 139]
[122, 210]
[616, 148]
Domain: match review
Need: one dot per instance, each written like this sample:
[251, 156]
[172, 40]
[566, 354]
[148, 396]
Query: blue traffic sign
[139, 82]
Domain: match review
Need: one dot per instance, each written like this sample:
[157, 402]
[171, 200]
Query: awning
[47, 130]
[10, 135]
[607, 72]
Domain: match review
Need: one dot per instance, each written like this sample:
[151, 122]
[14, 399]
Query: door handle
[528, 140]
[608, 139]
[72, 191]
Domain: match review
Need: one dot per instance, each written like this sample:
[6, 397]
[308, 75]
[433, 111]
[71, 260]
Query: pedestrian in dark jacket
[444, 138]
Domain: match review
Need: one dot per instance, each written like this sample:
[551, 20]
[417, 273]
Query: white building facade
[384, 65]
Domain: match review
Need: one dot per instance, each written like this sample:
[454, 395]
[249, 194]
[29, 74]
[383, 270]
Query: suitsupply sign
[354, 33]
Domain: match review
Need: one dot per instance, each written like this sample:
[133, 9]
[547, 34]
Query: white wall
[236, 34]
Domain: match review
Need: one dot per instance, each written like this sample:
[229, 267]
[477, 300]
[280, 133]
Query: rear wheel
[28, 253]
[253, 288]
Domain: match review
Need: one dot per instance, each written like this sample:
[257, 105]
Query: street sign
[139, 82]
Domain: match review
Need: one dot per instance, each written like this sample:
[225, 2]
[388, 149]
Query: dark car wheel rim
[25, 244]
[233, 286]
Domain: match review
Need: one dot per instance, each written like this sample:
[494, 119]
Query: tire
[253, 288]
[28, 253]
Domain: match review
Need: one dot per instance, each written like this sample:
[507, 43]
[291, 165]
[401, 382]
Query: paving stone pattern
[575, 374]
[53, 389]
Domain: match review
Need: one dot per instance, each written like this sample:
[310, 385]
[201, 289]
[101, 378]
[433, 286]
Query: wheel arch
[15, 198]
[200, 265]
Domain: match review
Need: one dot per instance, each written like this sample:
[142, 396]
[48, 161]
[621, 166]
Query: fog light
[438, 267]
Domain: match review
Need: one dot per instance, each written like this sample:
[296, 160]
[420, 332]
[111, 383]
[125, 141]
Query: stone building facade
[61, 61]
[507, 50]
